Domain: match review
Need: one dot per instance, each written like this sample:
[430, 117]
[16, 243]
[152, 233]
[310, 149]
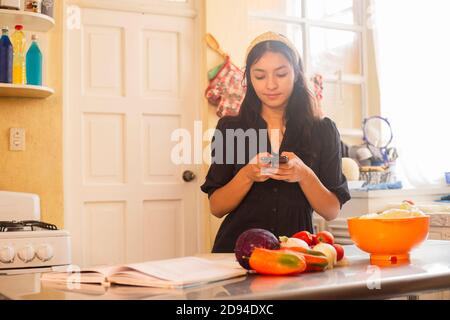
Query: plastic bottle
[19, 43]
[34, 63]
[6, 57]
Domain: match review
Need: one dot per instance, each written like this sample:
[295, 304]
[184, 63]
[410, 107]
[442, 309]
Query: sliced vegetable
[277, 262]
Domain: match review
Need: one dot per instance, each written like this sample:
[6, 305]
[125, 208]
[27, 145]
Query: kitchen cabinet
[32, 22]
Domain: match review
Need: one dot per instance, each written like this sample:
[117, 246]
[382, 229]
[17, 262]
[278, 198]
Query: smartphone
[283, 159]
[273, 160]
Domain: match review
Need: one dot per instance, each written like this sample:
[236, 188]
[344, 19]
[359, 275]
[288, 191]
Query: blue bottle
[6, 57]
[34, 63]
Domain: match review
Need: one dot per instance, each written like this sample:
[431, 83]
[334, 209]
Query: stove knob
[44, 252]
[26, 254]
[7, 254]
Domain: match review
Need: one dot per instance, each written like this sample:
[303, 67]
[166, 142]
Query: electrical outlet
[17, 139]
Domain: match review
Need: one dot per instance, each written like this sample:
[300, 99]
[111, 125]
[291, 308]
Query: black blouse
[278, 206]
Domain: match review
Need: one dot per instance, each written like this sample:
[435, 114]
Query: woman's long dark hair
[300, 108]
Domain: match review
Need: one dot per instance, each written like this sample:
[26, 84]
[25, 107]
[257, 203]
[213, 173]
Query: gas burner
[9, 226]
[27, 244]
[29, 225]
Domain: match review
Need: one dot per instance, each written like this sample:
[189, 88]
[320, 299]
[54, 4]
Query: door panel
[103, 138]
[163, 223]
[104, 242]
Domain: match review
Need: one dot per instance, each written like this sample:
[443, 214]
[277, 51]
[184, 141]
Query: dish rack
[377, 177]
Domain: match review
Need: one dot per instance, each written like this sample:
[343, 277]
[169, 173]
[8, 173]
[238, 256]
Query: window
[329, 35]
[412, 65]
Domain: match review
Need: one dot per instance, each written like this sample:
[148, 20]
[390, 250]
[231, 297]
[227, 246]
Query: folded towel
[382, 186]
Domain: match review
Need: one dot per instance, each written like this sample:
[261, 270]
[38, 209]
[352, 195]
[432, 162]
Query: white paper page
[186, 269]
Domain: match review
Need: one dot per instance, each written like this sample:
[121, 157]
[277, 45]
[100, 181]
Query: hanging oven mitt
[316, 83]
[214, 71]
[225, 90]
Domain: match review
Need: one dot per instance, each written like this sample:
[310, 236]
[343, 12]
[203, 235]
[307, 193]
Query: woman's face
[273, 78]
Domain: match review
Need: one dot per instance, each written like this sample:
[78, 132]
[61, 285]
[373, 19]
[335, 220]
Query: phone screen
[273, 160]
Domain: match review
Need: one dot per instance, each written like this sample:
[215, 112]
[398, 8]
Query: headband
[272, 36]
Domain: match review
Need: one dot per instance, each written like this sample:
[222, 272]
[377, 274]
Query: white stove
[28, 245]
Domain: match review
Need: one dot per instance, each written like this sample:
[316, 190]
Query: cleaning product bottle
[19, 43]
[6, 57]
[34, 63]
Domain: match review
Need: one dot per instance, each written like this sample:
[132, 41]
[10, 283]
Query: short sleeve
[219, 173]
[330, 168]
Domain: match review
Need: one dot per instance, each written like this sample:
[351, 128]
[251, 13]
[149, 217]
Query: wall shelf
[34, 22]
[30, 20]
[24, 91]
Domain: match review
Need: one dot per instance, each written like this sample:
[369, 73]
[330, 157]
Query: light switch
[17, 139]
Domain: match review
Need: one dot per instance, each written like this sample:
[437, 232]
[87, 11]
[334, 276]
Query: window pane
[342, 104]
[291, 8]
[335, 50]
[292, 31]
[341, 11]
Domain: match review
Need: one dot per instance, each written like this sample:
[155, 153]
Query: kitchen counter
[431, 192]
[428, 270]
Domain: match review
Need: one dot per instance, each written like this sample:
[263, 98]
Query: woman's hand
[293, 171]
[256, 170]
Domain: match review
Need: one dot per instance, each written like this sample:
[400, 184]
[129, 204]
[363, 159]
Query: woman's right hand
[256, 170]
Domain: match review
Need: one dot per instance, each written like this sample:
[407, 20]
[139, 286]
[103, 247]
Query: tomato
[325, 236]
[339, 251]
[315, 240]
[305, 236]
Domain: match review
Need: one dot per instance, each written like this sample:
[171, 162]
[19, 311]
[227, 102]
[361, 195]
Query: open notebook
[171, 273]
[121, 292]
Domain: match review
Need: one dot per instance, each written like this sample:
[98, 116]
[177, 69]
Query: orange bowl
[388, 239]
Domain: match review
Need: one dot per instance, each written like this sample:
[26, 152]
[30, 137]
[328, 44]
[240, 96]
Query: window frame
[305, 24]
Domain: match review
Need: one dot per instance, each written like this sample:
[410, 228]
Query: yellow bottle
[19, 43]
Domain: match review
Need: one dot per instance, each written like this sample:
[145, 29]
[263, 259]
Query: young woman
[257, 194]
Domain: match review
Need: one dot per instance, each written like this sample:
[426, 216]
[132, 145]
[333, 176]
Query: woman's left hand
[293, 171]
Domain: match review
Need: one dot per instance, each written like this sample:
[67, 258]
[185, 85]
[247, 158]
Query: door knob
[188, 176]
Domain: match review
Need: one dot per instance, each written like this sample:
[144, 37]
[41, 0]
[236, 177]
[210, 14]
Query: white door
[130, 84]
